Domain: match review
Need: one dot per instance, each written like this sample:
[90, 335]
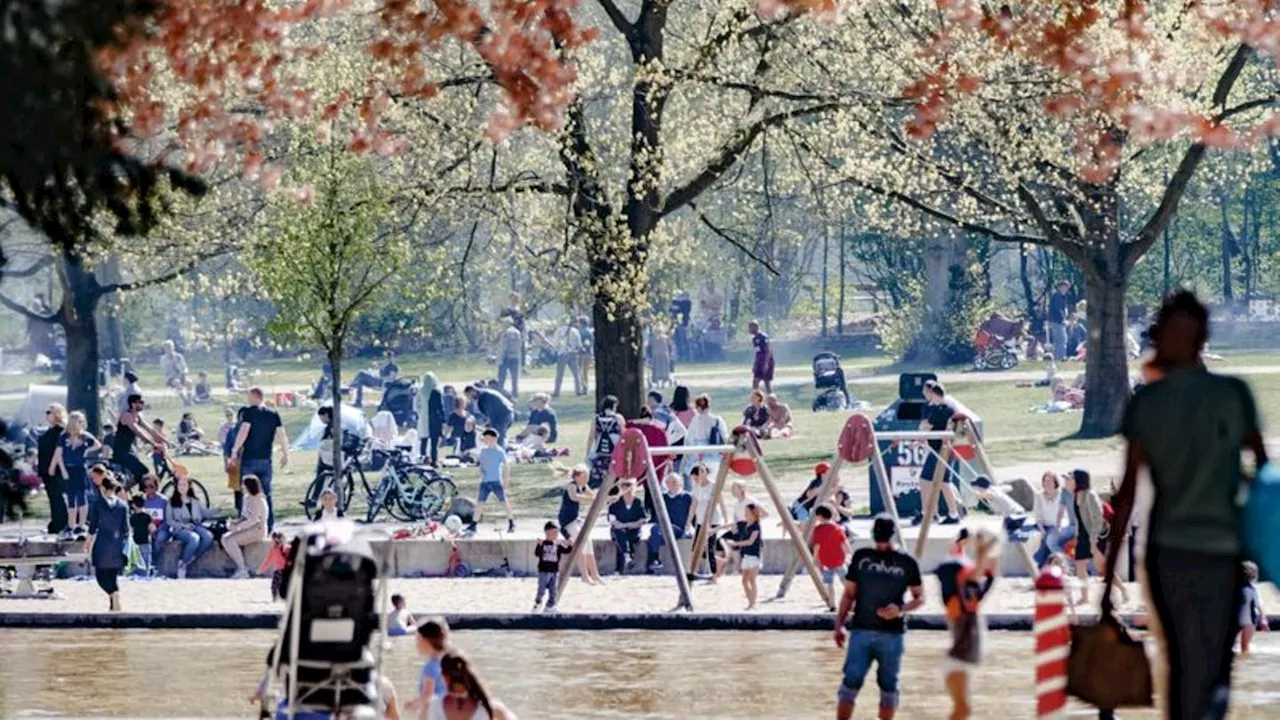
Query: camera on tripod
[323, 656]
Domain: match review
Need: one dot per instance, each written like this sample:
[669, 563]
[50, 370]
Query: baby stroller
[541, 352]
[996, 344]
[828, 380]
[397, 399]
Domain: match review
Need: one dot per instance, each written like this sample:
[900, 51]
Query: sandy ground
[632, 594]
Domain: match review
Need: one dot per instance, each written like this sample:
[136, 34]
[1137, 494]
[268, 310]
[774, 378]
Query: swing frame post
[584, 534]
[668, 534]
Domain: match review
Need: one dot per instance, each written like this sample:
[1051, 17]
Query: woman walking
[108, 529]
[182, 518]
[1090, 525]
[69, 464]
[250, 528]
[465, 696]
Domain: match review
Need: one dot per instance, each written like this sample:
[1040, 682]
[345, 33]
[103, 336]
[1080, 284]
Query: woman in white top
[250, 528]
[706, 428]
[465, 697]
[1047, 508]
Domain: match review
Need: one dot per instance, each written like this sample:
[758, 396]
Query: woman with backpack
[706, 428]
[606, 429]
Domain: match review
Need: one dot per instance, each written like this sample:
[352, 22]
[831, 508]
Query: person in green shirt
[1189, 428]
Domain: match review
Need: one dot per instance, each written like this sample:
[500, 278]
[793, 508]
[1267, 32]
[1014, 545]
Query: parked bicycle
[408, 492]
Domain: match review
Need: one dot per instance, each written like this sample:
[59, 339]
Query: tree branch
[730, 153]
[724, 235]
[1177, 186]
[28, 271]
[619, 20]
[161, 279]
[27, 312]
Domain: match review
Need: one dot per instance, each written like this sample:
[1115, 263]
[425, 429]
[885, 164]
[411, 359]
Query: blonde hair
[59, 414]
[985, 547]
[77, 421]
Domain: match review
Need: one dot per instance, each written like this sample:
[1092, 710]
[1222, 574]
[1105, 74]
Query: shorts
[829, 576]
[494, 489]
[570, 530]
[77, 486]
[751, 562]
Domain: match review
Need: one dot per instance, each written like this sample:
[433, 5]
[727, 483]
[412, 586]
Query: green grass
[1014, 435]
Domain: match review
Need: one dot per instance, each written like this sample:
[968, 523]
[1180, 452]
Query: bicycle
[408, 492]
[162, 472]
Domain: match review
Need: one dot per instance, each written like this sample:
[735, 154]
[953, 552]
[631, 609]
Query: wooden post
[797, 539]
[984, 464]
[700, 540]
[931, 505]
[668, 533]
[584, 535]
[886, 490]
[829, 484]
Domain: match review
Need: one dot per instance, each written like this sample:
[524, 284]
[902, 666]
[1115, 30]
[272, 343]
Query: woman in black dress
[108, 529]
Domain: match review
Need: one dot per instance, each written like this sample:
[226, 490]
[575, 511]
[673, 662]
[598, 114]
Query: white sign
[904, 479]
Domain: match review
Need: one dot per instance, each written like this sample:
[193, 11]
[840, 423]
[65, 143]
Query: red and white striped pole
[1053, 645]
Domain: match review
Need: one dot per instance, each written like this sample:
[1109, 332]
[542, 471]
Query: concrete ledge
[683, 621]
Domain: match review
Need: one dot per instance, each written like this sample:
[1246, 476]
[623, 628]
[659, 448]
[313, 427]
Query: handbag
[1107, 667]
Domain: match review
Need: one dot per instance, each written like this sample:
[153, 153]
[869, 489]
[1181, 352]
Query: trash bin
[905, 460]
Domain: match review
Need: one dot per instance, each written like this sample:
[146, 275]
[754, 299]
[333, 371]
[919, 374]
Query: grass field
[1014, 435]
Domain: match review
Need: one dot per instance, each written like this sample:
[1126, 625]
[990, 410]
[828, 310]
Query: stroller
[828, 380]
[996, 344]
[397, 399]
[541, 352]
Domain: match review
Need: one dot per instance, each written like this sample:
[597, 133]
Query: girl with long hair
[465, 696]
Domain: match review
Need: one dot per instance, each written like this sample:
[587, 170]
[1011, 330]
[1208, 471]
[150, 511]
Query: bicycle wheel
[196, 486]
[405, 500]
[436, 497]
[311, 500]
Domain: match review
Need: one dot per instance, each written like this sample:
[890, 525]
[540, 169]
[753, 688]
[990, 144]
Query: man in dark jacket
[1061, 305]
[495, 407]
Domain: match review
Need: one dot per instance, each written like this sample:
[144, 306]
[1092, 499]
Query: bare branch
[28, 271]
[730, 153]
[619, 20]
[27, 312]
[724, 235]
[165, 278]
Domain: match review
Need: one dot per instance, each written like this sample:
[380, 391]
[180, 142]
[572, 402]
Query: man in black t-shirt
[260, 427]
[937, 417]
[877, 580]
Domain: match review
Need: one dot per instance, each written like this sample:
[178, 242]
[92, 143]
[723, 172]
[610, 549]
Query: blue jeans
[1050, 542]
[365, 379]
[656, 541]
[194, 543]
[886, 649]
[144, 551]
[510, 366]
[261, 469]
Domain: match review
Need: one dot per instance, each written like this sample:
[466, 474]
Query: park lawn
[1014, 436]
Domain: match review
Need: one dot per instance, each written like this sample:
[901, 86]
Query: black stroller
[397, 399]
[828, 380]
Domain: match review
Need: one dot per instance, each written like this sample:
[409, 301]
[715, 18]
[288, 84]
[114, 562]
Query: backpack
[715, 437]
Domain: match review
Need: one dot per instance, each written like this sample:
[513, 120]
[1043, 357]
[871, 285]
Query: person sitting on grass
[779, 424]
[203, 391]
[548, 552]
[540, 414]
[460, 431]
[829, 545]
[495, 475]
[534, 446]
[756, 416]
[400, 620]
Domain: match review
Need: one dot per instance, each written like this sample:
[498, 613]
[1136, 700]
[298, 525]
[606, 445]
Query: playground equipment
[861, 442]
[633, 459]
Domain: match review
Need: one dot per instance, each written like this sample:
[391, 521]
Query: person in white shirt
[175, 372]
[706, 428]
[1047, 512]
[400, 620]
[568, 343]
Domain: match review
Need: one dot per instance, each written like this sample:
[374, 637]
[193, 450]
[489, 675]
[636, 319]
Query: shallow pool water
[622, 674]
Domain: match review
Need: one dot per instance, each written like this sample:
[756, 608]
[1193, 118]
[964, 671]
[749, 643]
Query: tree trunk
[1107, 370]
[80, 296]
[1228, 248]
[619, 365]
[840, 302]
[826, 242]
[335, 420]
[942, 252]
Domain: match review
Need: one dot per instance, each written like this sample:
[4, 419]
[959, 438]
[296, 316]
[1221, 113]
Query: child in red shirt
[829, 546]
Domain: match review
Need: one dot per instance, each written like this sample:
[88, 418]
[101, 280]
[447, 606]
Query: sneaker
[918, 520]
[66, 535]
[241, 574]
[552, 610]
[182, 571]
[950, 520]
[654, 567]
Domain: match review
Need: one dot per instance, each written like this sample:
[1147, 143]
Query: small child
[751, 545]
[277, 557]
[534, 446]
[1252, 617]
[159, 450]
[399, 620]
[433, 643]
[204, 392]
[328, 505]
[142, 525]
[965, 582]
[830, 546]
[548, 551]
